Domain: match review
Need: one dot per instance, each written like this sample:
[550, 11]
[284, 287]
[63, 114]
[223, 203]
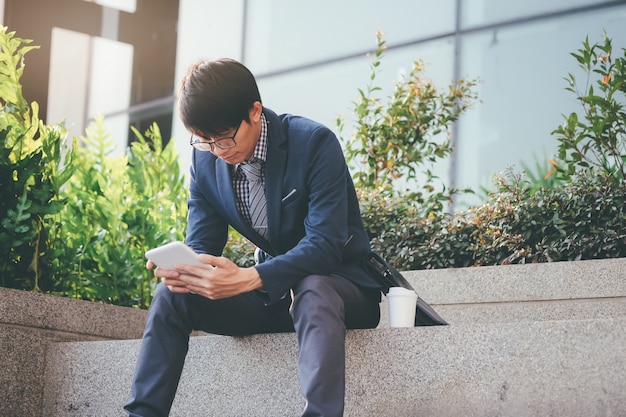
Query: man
[301, 210]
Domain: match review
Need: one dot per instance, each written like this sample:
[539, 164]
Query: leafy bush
[117, 208]
[393, 149]
[401, 139]
[34, 165]
[583, 219]
[239, 249]
[531, 219]
[76, 221]
[598, 140]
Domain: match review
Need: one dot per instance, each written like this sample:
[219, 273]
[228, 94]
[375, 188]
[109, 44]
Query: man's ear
[255, 111]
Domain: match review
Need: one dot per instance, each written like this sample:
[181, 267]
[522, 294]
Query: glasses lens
[202, 146]
[225, 143]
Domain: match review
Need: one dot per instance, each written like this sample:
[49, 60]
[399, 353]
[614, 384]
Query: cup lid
[400, 291]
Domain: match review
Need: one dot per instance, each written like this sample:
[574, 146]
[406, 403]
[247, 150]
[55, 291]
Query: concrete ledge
[592, 289]
[571, 291]
[30, 322]
[530, 282]
[583, 309]
[66, 315]
[562, 368]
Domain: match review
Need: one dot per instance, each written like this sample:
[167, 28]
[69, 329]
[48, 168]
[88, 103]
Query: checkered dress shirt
[240, 183]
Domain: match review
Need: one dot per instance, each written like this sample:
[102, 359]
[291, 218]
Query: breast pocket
[290, 197]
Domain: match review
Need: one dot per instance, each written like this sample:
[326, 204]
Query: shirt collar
[260, 150]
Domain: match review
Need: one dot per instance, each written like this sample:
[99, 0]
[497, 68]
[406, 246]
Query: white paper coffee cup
[402, 303]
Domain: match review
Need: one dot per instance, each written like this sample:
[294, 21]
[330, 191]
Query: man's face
[245, 137]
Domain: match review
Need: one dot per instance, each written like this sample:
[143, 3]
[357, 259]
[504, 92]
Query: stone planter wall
[30, 322]
[563, 319]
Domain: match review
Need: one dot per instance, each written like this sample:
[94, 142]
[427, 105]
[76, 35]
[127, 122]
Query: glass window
[486, 12]
[283, 33]
[97, 83]
[323, 93]
[522, 69]
[129, 6]
[137, 66]
[67, 86]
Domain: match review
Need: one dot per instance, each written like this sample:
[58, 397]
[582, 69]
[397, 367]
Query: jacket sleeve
[207, 231]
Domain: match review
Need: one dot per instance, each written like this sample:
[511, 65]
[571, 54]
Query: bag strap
[385, 274]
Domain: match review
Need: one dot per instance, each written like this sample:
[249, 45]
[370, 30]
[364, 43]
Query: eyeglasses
[222, 143]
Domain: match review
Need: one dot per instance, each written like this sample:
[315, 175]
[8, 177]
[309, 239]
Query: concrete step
[592, 289]
[558, 368]
[490, 310]
[30, 322]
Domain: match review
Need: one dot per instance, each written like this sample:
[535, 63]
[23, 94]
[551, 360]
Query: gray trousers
[320, 310]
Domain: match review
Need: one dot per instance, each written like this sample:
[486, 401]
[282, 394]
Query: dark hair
[215, 96]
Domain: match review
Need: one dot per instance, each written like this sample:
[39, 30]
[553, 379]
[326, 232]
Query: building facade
[114, 58]
[310, 58]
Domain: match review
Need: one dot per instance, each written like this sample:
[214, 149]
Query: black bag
[387, 276]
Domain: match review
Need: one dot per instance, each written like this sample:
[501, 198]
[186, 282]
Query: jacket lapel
[227, 193]
[275, 165]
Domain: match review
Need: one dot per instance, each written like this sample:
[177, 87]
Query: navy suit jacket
[314, 222]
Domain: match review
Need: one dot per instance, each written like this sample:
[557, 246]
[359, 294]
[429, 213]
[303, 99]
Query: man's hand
[224, 279]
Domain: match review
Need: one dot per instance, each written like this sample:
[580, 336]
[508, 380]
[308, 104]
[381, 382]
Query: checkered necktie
[256, 197]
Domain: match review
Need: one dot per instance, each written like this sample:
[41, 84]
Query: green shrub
[396, 143]
[76, 221]
[116, 209]
[528, 218]
[584, 219]
[34, 165]
[393, 149]
[596, 140]
[239, 249]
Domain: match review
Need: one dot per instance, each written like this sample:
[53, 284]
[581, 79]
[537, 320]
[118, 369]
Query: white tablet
[174, 253]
